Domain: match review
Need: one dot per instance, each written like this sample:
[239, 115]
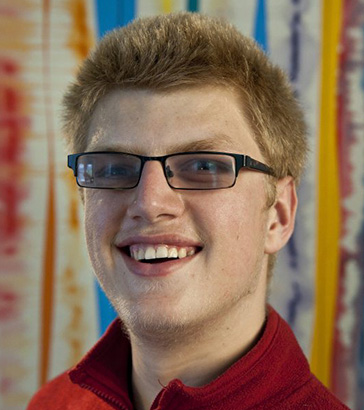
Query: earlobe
[282, 216]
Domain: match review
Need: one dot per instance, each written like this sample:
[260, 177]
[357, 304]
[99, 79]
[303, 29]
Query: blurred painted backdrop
[51, 311]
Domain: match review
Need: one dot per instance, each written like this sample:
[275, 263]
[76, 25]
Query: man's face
[223, 232]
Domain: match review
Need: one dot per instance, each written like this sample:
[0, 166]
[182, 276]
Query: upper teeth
[141, 251]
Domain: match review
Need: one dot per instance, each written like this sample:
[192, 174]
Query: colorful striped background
[51, 310]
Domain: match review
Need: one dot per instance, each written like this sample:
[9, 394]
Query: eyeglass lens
[196, 171]
[108, 170]
[186, 171]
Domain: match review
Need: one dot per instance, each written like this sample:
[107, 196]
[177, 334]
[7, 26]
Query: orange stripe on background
[48, 283]
[328, 226]
[81, 38]
[50, 230]
[72, 292]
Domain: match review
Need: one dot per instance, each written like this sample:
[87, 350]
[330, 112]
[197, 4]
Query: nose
[154, 200]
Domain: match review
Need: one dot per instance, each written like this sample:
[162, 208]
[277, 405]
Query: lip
[156, 269]
[164, 239]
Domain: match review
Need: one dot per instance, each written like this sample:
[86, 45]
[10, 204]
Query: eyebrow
[216, 142]
[212, 143]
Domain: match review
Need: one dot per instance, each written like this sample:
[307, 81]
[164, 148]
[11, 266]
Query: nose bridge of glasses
[160, 159]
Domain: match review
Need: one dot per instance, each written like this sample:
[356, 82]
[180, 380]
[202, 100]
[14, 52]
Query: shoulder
[312, 395]
[298, 387]
[61, 393]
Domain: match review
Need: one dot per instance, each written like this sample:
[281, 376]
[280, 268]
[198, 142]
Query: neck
[198, 359]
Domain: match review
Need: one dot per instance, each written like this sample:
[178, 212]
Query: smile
[158, 253]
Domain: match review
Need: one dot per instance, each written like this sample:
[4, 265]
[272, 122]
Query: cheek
[101, 226]
[101, 218]
[236, 231]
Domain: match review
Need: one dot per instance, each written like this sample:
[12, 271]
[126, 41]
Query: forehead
[158, 123]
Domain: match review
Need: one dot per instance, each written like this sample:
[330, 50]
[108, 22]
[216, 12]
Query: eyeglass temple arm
[259, 166]
[71, 163]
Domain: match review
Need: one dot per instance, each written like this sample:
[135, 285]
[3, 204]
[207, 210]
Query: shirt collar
[275, 364]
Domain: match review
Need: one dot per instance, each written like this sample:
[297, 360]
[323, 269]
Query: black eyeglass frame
[241, 161]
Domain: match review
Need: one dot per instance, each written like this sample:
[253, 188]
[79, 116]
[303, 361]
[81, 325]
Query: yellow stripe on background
[328, 225]
[166, 6]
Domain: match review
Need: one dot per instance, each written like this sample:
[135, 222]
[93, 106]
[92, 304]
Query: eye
[206, 166]
[116, 171]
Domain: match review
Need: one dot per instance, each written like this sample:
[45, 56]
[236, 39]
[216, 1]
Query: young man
[189, 145]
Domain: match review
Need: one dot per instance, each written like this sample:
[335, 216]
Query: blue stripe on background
[109, 15]
[105, 312]
[106, 16]
[126, 11]
[113, 13]
[295, 52]
[260, 26]
[193, 5]
[295, 41]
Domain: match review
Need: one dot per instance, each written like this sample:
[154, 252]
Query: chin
[158, 321]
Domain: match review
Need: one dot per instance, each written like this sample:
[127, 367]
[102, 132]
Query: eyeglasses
[199, 170]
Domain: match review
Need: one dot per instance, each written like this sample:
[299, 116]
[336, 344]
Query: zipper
[110, 400]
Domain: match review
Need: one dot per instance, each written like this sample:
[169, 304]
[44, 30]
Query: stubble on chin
[153, 324]
[168, 328]
[161, 313]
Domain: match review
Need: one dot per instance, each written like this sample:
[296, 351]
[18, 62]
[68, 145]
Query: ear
[281, 216]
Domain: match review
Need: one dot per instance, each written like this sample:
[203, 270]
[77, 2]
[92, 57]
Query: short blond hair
[171, 51]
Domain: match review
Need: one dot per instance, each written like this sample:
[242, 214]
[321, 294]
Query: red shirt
[273, 375]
